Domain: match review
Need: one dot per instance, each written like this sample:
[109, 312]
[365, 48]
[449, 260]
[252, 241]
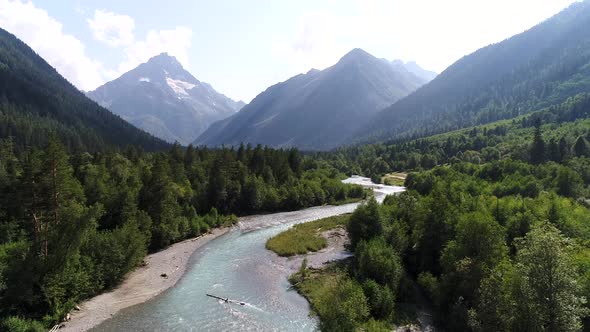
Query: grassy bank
[313, 284]
[306, 237]
[394, 179]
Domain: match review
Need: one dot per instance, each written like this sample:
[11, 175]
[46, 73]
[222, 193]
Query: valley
[236, 265]
[334, 185]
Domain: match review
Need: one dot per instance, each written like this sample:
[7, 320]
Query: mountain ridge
[540, 67]
[414, 68]
[316, 110]
[163, 98]
[36, 102]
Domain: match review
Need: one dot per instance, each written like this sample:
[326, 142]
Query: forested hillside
[496, 236]
[492, 234]
[36, 101]
[72, 225]
[560, 132]
[487, 259]
[538, 68]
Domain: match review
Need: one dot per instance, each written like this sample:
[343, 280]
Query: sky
[241, 47]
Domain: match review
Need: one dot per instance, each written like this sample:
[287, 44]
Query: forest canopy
[72, 225]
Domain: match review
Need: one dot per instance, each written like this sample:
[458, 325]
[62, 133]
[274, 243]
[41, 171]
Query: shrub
[18, 324]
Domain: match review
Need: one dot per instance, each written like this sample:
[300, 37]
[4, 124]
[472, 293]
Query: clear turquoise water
[235, 265]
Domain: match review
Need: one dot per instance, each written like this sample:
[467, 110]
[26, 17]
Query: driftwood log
[226, 300]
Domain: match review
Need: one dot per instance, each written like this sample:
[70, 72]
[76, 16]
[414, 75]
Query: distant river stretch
[236, 265]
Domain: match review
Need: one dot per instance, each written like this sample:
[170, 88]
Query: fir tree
[581, 147]
[537, 153]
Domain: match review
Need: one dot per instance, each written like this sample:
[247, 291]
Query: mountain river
[237, 265]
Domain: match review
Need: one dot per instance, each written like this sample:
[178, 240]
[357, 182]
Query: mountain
[319, 109]
[415, 69]
[35, 101]
[164, 99]
[540, 67]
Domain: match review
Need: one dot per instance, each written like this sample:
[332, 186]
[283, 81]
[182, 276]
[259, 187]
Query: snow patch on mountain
[164, 99]
[179, 87]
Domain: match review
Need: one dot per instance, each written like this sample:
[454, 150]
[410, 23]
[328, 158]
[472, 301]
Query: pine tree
[581, 147]
[50, 190]
[295, 161]
[217, 186]
[564, 149]
[537, 153]
[189, 156]
[177, 153]
[31, 193]
[58, 179]
[242, 153]
[553, 151]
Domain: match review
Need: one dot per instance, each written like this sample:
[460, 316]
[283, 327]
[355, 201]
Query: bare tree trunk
[55, 191]
[36, 230]
[37, 220]
[46, 239]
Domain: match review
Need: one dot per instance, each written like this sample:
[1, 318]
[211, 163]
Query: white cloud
[318, 42]
[116, 30]
[67, 54]
[112, 29]
[437, 33]
[175, 42]
[44, 34]
[434, 33]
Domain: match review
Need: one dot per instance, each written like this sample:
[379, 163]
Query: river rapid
[238, 266]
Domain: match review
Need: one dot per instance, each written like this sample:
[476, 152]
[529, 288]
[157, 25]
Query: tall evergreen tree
[537, 152]
[553, 152]
[581, 148]
[564, 149]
